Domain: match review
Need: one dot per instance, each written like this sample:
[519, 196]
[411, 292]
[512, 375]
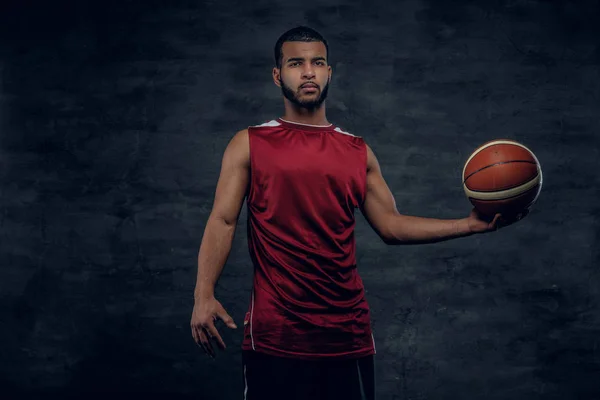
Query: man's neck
[303, 116]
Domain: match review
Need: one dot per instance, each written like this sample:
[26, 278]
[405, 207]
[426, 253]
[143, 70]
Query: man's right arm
[231, 189]
[216, 242]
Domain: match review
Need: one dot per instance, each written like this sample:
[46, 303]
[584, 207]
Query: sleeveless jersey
[308, 300]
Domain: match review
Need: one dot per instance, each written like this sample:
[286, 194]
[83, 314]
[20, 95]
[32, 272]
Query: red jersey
[308, 300]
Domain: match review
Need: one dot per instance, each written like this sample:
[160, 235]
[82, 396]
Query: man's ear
[277, 76]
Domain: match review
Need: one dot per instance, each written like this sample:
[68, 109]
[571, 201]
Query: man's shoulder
[239, 142]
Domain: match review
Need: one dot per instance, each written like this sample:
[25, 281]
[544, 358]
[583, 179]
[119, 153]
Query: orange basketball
[502, 176]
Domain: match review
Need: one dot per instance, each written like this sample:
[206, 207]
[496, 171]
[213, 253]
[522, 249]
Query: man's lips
[309, 87]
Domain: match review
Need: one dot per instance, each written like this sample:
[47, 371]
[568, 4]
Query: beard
[294, 96]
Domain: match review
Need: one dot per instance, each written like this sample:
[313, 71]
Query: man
[307, 332]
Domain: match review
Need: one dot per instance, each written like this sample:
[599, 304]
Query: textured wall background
[113, 119]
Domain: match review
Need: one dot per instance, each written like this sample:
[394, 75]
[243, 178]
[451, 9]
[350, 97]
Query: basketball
[502, 176]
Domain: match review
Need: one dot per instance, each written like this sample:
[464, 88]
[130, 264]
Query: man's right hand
[206, 312]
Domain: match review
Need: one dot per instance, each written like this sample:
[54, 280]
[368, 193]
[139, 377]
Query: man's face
[304, 75]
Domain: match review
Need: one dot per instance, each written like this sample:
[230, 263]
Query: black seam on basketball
[493, 165]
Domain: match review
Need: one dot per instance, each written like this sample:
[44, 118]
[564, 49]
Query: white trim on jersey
[251, 324]
[298, 123]
[373, 338]
[337, 129]
[245, 384]
[274, 122]
[270, 123]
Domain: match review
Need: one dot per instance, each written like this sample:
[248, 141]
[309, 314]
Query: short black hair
[298, 34]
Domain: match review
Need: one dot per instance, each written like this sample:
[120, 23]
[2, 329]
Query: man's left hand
[478, 223]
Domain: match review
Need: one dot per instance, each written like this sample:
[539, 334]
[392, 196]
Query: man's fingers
[496, 222]
[227, 320]
[206, 343]
[214, 334]
[204, 330]
[200, 339]
[200, 344]
[195, 336]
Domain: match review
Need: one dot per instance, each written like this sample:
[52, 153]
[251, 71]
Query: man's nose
[309, 72]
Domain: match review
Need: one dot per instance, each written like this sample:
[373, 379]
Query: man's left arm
[379, 208]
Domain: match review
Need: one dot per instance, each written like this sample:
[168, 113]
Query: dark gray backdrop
[113, 119]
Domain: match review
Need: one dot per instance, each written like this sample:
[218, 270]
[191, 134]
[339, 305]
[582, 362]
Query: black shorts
[269, 378]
